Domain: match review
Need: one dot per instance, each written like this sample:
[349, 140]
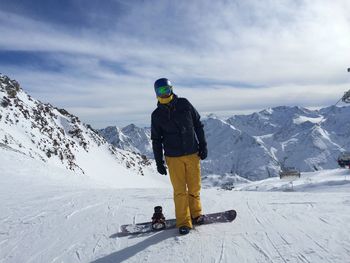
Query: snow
[337, 180]
[105, 169]
[302, 119]
[59, 138]
[65, 191]
[50, 214]
[130, 138]
[255, 146]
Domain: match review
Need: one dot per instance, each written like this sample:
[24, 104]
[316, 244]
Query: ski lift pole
[346, 96]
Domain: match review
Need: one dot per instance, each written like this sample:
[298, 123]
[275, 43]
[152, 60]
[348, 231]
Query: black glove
[203, 152]
[161, 168]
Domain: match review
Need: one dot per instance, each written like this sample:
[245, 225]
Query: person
[176, 128]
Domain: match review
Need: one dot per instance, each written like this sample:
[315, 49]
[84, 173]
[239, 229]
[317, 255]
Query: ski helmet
[162, 82]
[163, 87]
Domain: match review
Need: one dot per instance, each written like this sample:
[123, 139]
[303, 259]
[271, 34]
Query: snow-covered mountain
[294, 136]
[130, 138]
[254, 146]
[57, 137]
[258, 145]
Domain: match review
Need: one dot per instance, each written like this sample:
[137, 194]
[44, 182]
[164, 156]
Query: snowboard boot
[199, 220]
[184, 230]
[158, 219]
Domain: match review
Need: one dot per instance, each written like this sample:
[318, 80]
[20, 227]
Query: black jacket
[176, 128]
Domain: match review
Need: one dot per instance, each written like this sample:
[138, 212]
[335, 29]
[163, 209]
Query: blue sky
[99, 59]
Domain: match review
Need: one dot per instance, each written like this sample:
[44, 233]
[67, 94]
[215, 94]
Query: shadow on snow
[131, 251]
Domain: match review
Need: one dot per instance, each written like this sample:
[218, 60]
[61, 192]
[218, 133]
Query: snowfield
[48, 214]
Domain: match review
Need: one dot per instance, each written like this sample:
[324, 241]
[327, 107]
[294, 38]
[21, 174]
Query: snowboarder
[177, 129]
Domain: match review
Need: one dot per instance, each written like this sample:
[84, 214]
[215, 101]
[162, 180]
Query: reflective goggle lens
[165, 90]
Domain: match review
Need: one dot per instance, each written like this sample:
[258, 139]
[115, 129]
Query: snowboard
[146, 227]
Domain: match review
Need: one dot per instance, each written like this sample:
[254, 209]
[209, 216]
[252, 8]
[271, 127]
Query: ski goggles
[164, 90]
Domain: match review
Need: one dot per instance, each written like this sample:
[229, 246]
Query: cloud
[239, 100]
[231, 56]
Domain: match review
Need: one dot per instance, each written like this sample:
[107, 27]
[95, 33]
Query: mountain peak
[129, 128]
[211, 116]
[56, 136]
[11, 87]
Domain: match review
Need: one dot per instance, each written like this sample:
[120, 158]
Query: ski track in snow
[51, 221]
[270, 227]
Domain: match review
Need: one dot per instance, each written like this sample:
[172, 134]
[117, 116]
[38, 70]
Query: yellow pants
[186, 180]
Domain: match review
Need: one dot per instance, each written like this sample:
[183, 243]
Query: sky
[100, 59]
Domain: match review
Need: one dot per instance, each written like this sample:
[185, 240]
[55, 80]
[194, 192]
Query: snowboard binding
[158, 219]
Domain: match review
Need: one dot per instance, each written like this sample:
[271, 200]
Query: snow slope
[337, 180]
[57, 137]
[48, 214]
